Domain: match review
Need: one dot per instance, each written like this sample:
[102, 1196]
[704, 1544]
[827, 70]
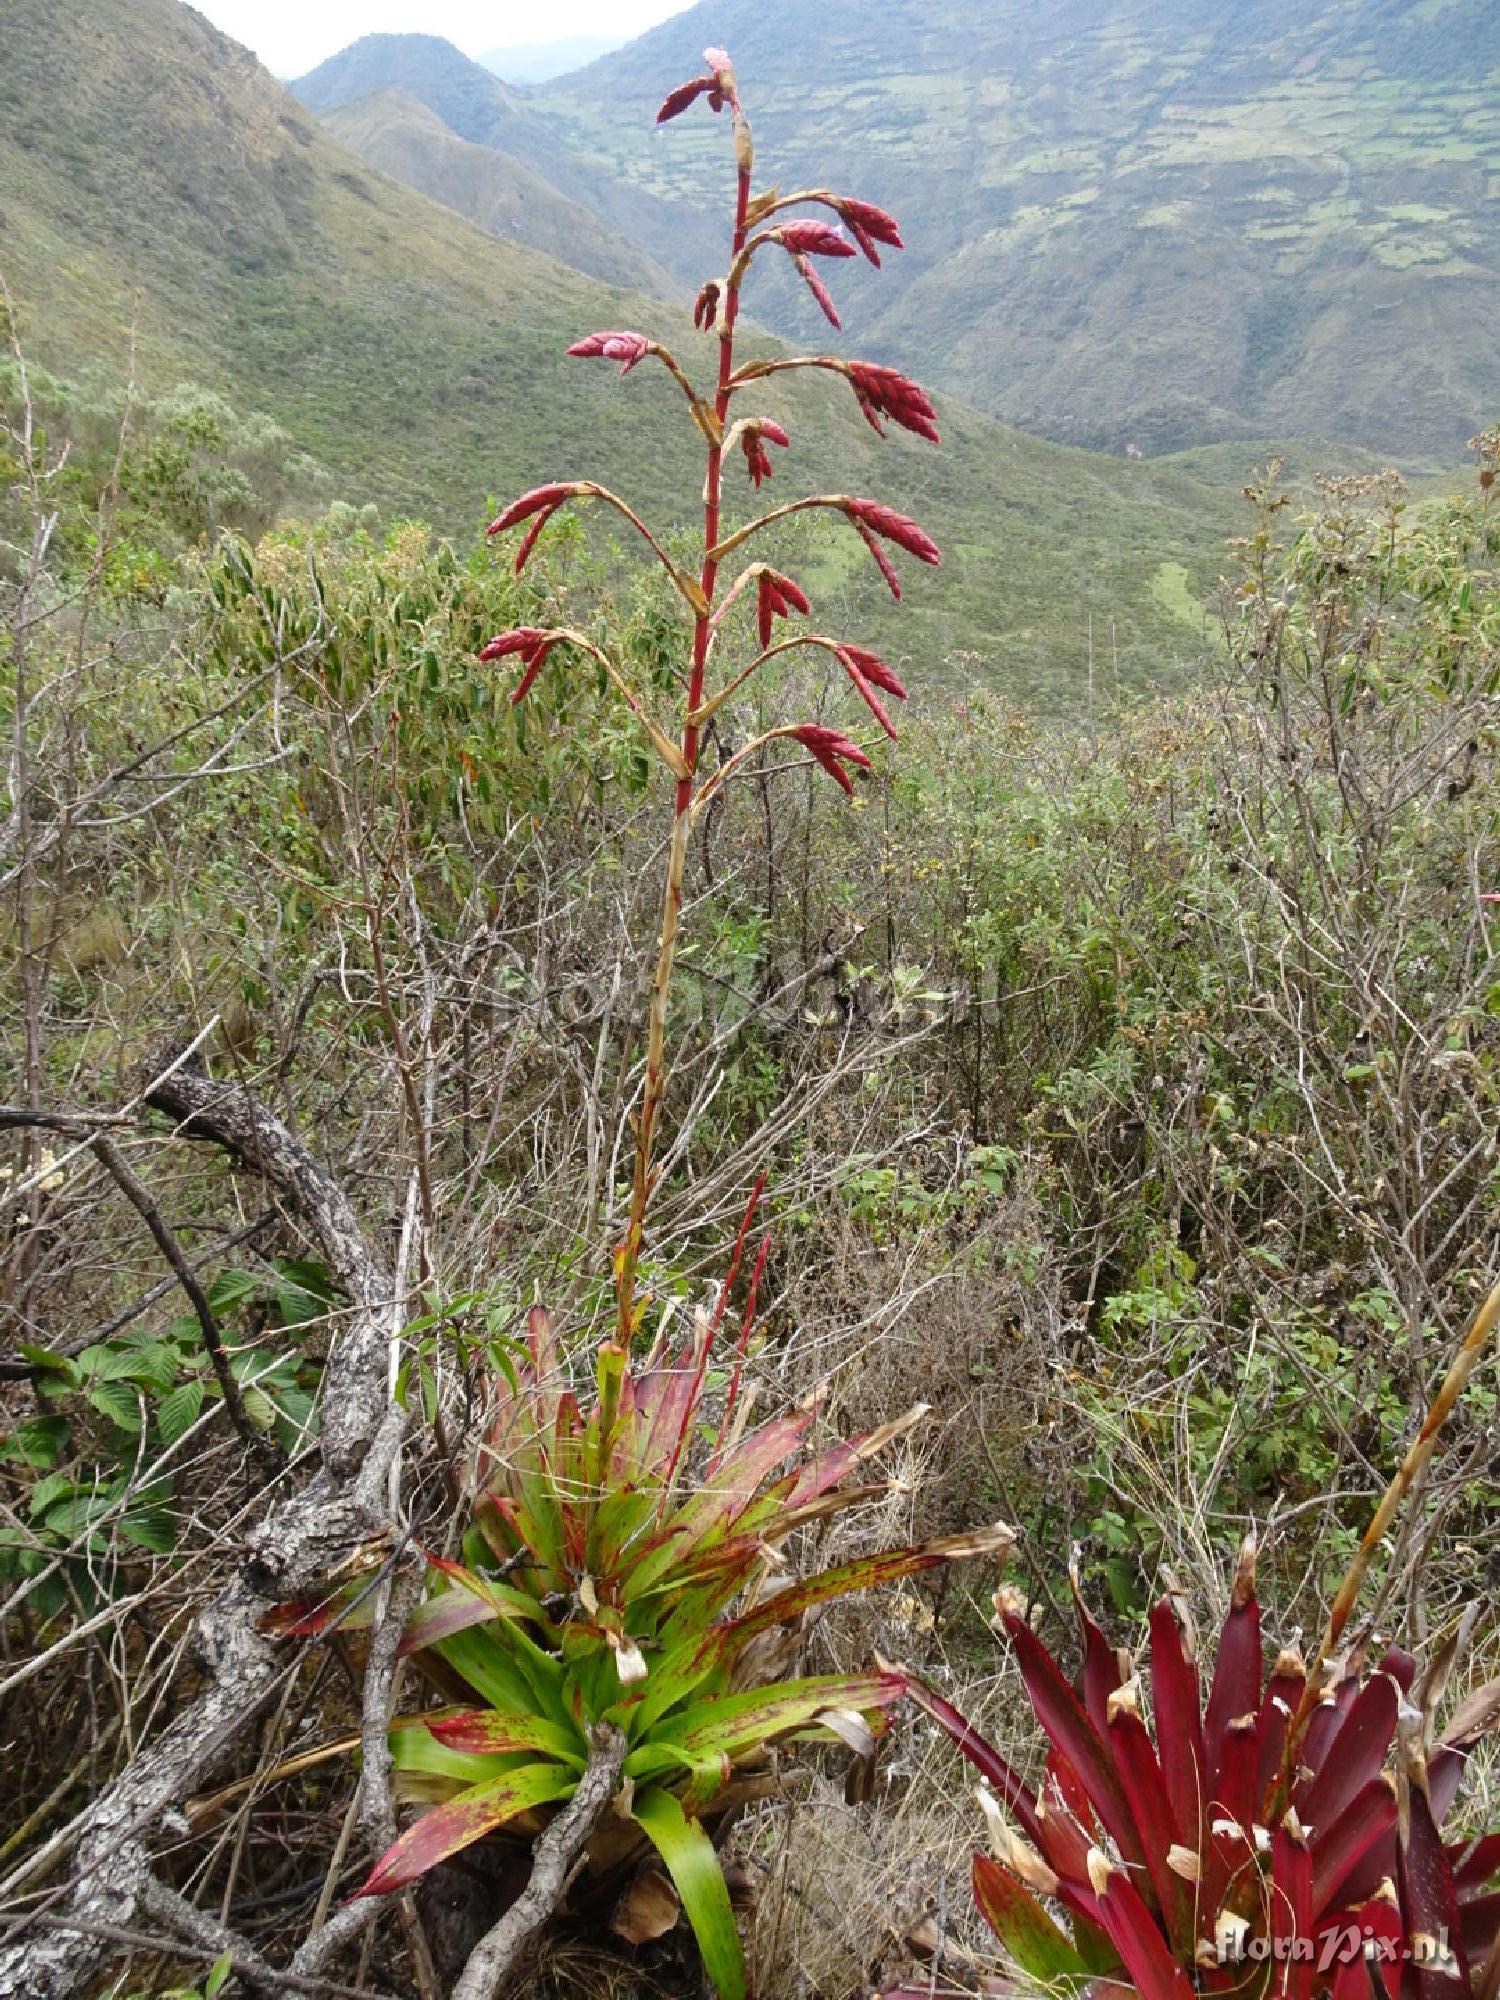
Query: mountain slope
[400, 136]
[1158, 221]
[424, 362]
[478, 107]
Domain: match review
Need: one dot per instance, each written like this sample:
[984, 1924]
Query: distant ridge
[538, 62]
[394, 131]
[477, 106]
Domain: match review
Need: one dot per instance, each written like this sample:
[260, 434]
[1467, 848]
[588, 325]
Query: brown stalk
[1410, 1470]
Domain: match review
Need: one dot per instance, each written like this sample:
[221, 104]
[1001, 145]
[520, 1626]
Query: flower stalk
[761, 224]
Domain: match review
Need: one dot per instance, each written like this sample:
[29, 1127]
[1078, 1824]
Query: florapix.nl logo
[1334, 1945]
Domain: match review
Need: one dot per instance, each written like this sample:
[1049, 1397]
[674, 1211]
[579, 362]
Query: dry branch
[301, 1542]
[498, 1955]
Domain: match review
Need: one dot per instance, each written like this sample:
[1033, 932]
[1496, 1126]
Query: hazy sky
[290, 36]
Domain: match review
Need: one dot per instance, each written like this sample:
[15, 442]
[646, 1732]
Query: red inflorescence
[814, 239]
[869, 225]
[832, 749]
[868, 671]
[753, 443]
[533, 643]
[628, 348]
[886, 392]
[533, 502]
[893, 527]
[820, 292]
[685, 94]
[706, 305]
[778, 597]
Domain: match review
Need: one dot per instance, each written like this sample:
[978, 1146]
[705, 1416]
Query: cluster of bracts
[884, 395]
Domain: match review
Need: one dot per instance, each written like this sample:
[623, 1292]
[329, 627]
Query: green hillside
[1134, 222]
[477, 106]
[423, 361]
[396, 133]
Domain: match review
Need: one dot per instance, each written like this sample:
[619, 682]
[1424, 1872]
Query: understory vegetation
[1127, 1092]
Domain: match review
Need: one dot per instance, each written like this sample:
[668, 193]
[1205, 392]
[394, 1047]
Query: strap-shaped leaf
[1179, 1726]
[699, 1881]
[415, 1748]
[1031, 1937]
[461, 1821]
[1355, 1755]
[487, 1730]
[868, 1573]
[1068, 1728]
[982, 1754]
[1430, 1904]
[1236, 1687]
[508, 1669]
[736, 1723]
[1153, 1970]
[1337, 1850]
[472, 1600]
[683, 1669]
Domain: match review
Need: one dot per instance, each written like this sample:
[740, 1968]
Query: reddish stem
[656, 1074]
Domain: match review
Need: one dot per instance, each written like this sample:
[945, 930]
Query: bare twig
[497, 1956]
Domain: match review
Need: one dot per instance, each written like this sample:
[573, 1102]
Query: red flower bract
[753, 443]
[868, 671]
[886, 392]
[820, 292]
[628, 348]
[706, 305]
[893, 527]
[875, 670]
[528, 541]
[778, 597]
[813, 239]
[533, 643]
[869, 225]
[679, 99]
[832, 749]
[533, 502]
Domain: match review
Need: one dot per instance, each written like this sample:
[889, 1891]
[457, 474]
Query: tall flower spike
[549, 1516]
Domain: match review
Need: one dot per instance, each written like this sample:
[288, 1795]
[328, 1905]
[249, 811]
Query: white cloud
[291, 36]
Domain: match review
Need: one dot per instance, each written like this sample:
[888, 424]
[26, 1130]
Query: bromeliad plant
[604, 1587]
[619, 1588]
[1231, 1852]
[1285, 1839]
